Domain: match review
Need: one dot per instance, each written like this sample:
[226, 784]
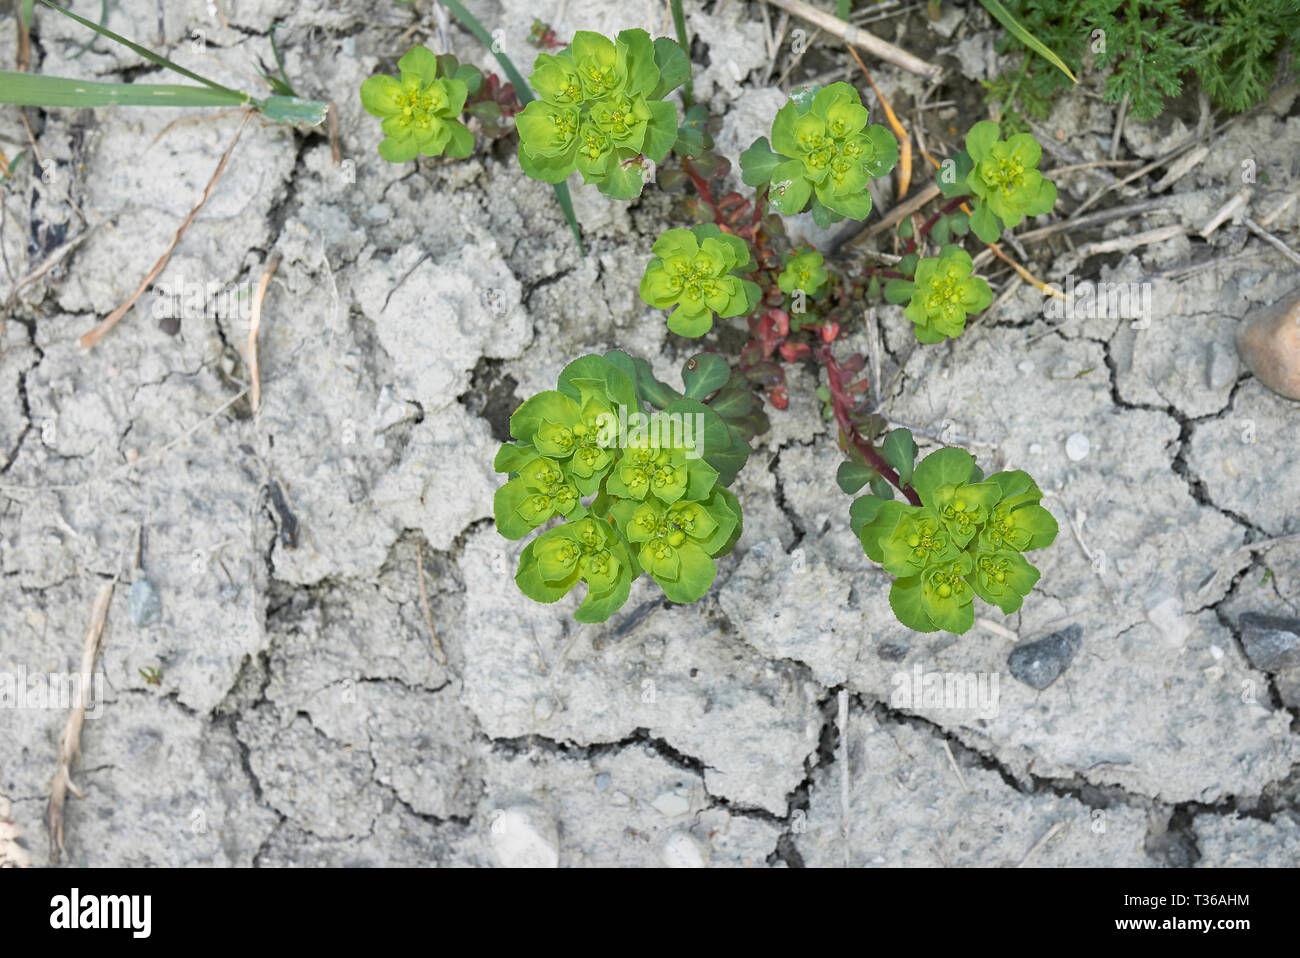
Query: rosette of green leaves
[823, 151]
[803, 270]
[602, 108]
[646, 506]
[694, 273]
[941, 295]
[419, 108]
[966, 539]
[1005, 179]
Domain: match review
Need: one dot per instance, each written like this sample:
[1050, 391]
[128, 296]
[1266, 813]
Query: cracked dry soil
[304, 714]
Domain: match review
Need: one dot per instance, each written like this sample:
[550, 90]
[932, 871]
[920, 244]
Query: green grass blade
[25, 89]
[145, 52]
[103, 19]
[684, 41]
[294, 109]
[524, 94]
[1004, 17]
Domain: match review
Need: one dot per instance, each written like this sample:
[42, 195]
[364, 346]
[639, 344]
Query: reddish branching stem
[841, 404]
[929, 224]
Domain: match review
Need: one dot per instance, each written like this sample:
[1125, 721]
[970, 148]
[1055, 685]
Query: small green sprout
[601, 110]
[1006, 179]
[803, 271]
[822, 150]
[419, 110]
[964, 540]
[942, 295]
[694, 271]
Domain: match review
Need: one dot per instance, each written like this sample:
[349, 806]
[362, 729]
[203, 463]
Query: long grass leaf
[524, 94]
[145, 52]
[25, 89]
[1004, 17]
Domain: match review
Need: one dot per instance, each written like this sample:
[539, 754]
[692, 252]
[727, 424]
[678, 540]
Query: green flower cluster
[824, 151]
[419, 110]
[803, 271]
[601, 109]
[941, 295]
[694, 271]
[1006, 180]
[964, 540]
[653, 508]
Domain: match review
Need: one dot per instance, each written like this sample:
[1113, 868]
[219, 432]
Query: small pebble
[1271, 642]
[1221, 367]
[1035, 449]
[685, 851]
[543, 708]
[143, 604]
[670, 805]
[1077, 447]
[602, 781]
[1040, 663]
[524, 836]
[1025, 366]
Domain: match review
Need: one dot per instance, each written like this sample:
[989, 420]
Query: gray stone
[144, 605]
[1040, 663]
[1272, 642]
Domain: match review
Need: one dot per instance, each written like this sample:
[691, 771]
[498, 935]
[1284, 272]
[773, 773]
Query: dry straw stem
[70, 744]
[904, 141]
[95, 335]
[254, 327]
[857, 37]
[1272, 240]
[424, 604]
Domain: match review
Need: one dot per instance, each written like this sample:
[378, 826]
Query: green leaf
[949, 466]
[880, 486]
[899, 291]
[733, 403]
[704, 374]
[899, 450]
[661, 131]
[624, 181]
[674, 67]
[984, 224]
[905, 600]
[295, 110]
[953, 173]
[27, 89]
[758, 163]
[852, 476]
[1003, 16]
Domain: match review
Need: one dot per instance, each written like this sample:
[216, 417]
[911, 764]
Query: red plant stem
[929, 224]
[849, 432]
[703, 189]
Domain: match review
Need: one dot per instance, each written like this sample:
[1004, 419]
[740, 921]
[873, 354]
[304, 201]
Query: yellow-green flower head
[631, 505]
[944, 293]
[418, 110]
[692, 273]
[831, 154]
[803, 271]
[964, 540]
[1006, 179]
[601, 110]
[675, 543]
